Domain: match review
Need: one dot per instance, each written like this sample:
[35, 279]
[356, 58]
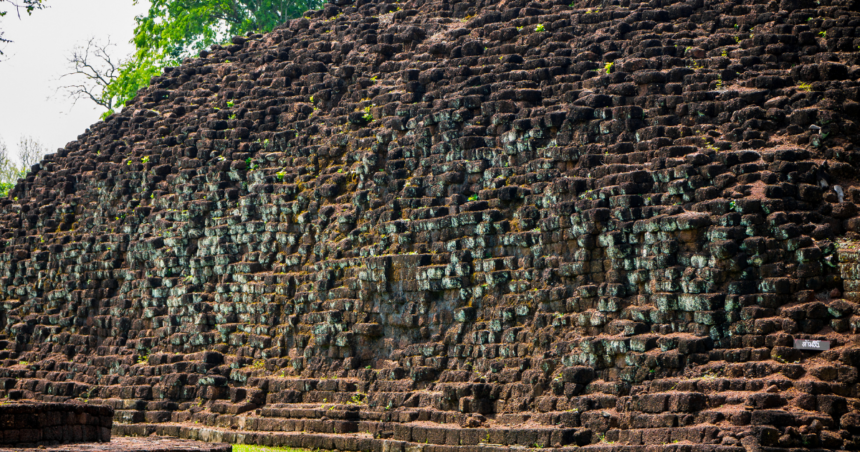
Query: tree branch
[29, 5]
[93, 63]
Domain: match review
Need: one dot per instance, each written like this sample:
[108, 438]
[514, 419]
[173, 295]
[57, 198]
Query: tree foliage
[176, 29]
[30, 152]
[27, 6]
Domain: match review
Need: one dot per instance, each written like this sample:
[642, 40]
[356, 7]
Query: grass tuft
[252, 448]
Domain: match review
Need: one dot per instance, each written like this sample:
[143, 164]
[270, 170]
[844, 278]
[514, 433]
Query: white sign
[809, 344]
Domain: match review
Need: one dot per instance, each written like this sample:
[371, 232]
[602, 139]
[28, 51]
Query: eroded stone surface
[151, 444]
[35, 424]
[459, 224]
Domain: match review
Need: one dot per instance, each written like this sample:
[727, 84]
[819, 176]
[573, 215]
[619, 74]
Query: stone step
[436, 440]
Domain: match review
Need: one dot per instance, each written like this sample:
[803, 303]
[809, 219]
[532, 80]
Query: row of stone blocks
[77, 427]
[366, 443]
[28, 424]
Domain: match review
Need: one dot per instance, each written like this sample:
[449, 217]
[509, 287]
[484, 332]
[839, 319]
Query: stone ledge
[151, 444]
[32, 424]
[365, 443]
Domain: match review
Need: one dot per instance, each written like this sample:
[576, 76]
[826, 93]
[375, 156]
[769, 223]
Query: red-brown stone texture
[455, 226]
[152, 444]
[35, 424]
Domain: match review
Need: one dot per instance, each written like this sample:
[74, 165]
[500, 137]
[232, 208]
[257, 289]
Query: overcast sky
[33, 63]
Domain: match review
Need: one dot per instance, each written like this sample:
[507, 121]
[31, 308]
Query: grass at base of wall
[250, 448]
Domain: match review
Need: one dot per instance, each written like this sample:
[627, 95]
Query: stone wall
[463, 224]
[33, 424]
[849, 270]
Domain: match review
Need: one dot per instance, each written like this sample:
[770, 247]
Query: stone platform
[154, 444]
[33, 424]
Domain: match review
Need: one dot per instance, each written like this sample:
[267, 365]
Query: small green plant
[233, 116]
[312, 99]
[540, 28]
[823, 34]
[128, 163]
[724, 53]
[143, 359]
[603, 440]
[473, 197]
[368, 116]
[710, 376]
[24, 363]
[803, 86]
[608, 67]
[259, 364]
[357, 399]
[255, 448]
[374, 78]
[230, 104]
[519, 28]
[719, 83]
[145, 160]
[281, 175]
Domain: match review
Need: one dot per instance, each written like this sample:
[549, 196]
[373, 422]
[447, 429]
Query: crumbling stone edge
[363, 443]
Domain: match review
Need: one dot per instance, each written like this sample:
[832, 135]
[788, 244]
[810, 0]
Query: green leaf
[173, 30]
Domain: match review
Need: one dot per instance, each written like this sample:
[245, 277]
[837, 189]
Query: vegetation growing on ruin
[173, 30]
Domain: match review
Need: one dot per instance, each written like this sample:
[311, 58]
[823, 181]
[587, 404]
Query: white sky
[29, 72]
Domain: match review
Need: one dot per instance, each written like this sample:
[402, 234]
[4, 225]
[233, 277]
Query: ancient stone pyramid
[432, 226]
